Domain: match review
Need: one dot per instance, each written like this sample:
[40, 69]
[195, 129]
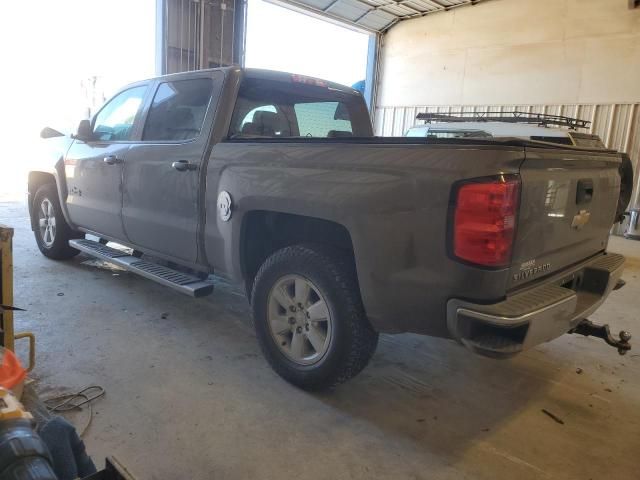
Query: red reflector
[308, 80]
[484, 222]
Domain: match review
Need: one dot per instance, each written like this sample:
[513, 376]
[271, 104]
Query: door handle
[584, 191]
[112, 160]
[183, 166]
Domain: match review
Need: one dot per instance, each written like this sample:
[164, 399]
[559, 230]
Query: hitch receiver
[588, 328]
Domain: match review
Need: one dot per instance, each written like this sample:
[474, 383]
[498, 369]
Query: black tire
[626, 187]
[353, 340]
[58, 247]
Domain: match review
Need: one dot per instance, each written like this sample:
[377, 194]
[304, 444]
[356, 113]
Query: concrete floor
[190, 397]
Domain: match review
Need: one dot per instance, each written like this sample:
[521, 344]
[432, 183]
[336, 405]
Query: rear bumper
[538, 314]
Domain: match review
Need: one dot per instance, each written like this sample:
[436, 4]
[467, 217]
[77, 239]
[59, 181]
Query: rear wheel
[309, 317]
[51, 229]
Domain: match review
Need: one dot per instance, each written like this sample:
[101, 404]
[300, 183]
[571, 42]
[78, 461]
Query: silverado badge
[529, 269]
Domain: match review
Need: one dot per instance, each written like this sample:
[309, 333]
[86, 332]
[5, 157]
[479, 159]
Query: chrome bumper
[538, 314]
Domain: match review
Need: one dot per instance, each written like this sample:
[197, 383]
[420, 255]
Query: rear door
[163, 172]
[93, 168]
[567, 207]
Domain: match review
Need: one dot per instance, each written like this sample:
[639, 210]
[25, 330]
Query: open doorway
[278, 38]
[73, 55]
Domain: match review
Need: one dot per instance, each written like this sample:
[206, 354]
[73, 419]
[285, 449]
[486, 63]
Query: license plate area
[591, 280]
[573, 281]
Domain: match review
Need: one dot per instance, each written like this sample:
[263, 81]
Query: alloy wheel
[299, 319]
[47, 223]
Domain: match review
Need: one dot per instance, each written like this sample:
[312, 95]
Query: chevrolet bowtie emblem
[580, 219]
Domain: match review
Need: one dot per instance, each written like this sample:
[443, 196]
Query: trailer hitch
[588, 328]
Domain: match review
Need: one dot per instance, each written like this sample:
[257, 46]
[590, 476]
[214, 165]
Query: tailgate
[567, 207]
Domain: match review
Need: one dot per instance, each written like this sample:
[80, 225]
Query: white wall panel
[513, 52]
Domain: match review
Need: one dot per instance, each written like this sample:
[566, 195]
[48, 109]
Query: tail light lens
[484, 221]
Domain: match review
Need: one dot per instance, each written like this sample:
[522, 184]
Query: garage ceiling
[376, 15]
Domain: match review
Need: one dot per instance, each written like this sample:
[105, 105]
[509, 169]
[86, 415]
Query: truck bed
[393, 194]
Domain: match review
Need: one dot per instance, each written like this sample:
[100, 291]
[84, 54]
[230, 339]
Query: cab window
[253, 122]
[284, 109]
[178, 110]
[252, 114]
[114, 123]
[318, 119]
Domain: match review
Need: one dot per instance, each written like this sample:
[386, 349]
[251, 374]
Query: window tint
[318, 119]
[115, 121]
[178, 110]
[278, 109]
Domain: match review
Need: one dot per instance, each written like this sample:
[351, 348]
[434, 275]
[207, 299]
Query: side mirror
[48, 132]
[84, 131]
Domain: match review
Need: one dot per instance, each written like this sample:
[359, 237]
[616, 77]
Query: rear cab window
[318, 119]
[298, 107]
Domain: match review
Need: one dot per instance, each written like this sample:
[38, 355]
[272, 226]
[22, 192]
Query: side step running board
[179, 281]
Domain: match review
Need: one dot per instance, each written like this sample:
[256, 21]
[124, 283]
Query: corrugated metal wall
[617, 124]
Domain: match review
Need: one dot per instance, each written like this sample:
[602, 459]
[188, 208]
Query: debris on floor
[553, 416]
[74, 401]
[101, 264]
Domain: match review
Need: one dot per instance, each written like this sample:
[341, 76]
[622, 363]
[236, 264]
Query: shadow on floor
[438, 395]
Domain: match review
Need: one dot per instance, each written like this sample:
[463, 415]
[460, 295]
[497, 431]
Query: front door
[162, 173]
[94, 167]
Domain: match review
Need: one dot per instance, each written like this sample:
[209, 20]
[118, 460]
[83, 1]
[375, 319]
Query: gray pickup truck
[276, 182]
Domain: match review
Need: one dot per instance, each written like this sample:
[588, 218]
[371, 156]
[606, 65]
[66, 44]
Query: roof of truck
[266, 75]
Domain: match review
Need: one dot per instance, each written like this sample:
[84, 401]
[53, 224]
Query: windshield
[281, 109]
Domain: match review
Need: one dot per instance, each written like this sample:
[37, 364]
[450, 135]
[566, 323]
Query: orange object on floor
[12, 373]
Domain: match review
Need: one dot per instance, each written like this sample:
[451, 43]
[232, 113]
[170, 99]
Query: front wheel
[309, 317]
[51, 229]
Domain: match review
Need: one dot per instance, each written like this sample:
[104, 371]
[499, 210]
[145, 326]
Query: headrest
[339, 134]
[262, 117]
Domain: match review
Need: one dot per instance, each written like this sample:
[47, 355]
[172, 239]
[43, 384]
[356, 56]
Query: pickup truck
[276, 182]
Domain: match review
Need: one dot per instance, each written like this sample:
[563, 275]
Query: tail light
[484, 220]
